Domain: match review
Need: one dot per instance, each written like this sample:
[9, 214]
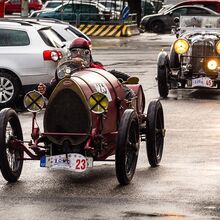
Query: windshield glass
[204, 22]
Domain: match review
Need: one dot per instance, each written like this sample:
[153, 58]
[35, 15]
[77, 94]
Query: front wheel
[162, 77]
[127, 147]
[155, 132]
[11, 157]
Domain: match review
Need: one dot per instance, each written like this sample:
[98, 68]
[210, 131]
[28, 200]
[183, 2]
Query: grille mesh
[66, 113]
[201, 50]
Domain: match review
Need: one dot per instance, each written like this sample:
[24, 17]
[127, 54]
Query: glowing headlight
[181, 46]
[212, 64]
[98, 103]
[33, 101]
[218, 47]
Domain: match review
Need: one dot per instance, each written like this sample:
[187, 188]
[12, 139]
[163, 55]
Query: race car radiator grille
[200, 51]
[66, 113]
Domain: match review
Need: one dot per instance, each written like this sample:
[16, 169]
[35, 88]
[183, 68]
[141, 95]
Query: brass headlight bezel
[181, 46]
[98, 103]
[34, 101]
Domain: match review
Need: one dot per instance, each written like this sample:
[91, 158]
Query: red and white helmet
[80, 43]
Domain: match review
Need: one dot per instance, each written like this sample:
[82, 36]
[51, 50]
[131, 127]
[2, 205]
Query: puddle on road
[165, 215]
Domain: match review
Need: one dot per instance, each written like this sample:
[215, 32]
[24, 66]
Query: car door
[173, 14]
[69, 12]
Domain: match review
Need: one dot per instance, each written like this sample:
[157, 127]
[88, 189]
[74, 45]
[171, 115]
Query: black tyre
[155, 132]
[127, 147]
[157, 26]
[119, 75]
[9, 89]
[162, 77]
[11, 162]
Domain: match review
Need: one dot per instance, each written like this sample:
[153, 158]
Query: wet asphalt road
[184, 186]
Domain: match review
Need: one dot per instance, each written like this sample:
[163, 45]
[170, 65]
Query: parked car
[194, 59]
[211, 4]
[164, 21]
[14, 6]
[78, 12]
[87, 119]
[28, 56]
[113, 5]
[51, 4]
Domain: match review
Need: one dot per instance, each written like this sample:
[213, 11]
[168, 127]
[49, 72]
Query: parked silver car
[28, 56]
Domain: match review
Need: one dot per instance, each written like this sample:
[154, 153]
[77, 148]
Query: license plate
[73, 162]
[202, 82]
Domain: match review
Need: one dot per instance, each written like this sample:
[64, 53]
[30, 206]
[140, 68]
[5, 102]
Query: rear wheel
[11, 162]
[9, 89]
[162, 77]
[127, 147]
[155, 132]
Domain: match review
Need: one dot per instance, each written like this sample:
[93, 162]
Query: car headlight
[218, 47]
[212, 64]
[34, 101]
[98, 103]
[181, 46]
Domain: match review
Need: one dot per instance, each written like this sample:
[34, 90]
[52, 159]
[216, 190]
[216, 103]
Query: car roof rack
[22, 22]
[40, 19]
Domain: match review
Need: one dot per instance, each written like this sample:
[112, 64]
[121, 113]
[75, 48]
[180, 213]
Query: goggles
[80, 52]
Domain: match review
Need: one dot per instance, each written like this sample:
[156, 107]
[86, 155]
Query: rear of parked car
[14, 6]
[28, 56]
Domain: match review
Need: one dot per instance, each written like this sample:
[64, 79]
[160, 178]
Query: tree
[135, 7]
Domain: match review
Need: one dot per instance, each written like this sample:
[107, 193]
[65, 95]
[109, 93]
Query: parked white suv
[28, 56]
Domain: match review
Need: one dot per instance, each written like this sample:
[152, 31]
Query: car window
[89, 9]
[50, 37]
[15, 1]
[76, 33]
[211, 6]
[52, 4]
[179, 11]
[13, 38]
[197, 11]
[68, 8]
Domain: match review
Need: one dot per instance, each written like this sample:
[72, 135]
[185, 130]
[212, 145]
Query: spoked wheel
[162, 77]
[155, 132]
[11, 162]
[127, 147]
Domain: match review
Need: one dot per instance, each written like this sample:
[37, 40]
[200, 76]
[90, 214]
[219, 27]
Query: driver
[81, 57]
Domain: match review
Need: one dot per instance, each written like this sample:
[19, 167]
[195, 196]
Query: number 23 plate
[74, 162]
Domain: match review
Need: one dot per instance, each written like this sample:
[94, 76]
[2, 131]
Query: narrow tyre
[11, 158]
[127, 147]
[162, 77]
[155, 132]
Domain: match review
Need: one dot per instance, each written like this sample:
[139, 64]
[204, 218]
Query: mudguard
[174, 58]
[163, 59]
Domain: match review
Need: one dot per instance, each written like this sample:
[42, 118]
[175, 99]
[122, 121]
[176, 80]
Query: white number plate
[202, 82]
[74, 162]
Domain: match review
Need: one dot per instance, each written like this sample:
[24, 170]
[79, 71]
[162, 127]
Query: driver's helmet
[80, 48]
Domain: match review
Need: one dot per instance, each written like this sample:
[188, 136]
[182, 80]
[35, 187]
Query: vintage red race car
[87, 119]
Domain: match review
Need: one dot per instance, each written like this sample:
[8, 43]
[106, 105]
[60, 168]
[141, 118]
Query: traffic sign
[125, 13]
